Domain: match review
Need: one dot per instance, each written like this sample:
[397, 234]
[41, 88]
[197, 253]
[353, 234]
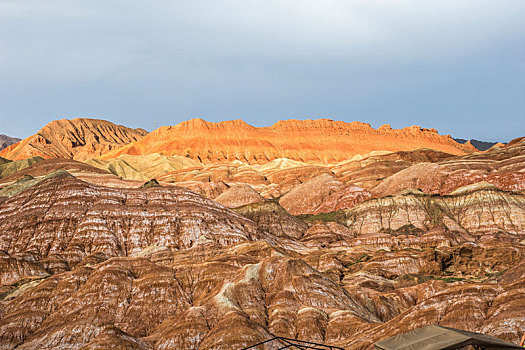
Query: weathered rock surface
[143, 167]
[503, 167]
[92, 267]
[274, 219]
[67, 220]
[322, 194]
[320, 141]
[239, 195]
[6, 141]
[74, 139]
[9, 167]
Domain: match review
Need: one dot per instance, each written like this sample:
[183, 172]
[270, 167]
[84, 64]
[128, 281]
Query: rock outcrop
[143, 167]
[78, 139]
[8, 167]
[239, 195]
[369, 170]
[322, 194]
[41, 168]
[503, 167]
[477, 209]
[67, 220]
[313, 141]
[6, 141]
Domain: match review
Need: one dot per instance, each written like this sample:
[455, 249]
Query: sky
[454, 65]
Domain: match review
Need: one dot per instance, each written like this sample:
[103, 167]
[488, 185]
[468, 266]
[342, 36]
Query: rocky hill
[503, 167]
[319, 141]
[6, 141]
[480, 145]
[74, 139]
[156, 251]
[162, 267]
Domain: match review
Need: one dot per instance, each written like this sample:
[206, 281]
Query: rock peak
[78, 138]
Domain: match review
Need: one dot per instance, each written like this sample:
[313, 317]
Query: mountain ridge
[480, 145]
[311, 141]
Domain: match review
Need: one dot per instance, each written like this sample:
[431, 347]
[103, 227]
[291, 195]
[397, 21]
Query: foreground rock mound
[319, 141]
[63, 220]
[74, 139]
[224, 297]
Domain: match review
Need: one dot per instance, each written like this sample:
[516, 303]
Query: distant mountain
[312, 141]
[6, 141]
[480, 145]
[78, 139]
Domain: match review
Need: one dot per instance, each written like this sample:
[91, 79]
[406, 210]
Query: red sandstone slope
[322, 141]
[78, 139]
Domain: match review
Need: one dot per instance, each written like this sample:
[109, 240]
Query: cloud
[262, 60]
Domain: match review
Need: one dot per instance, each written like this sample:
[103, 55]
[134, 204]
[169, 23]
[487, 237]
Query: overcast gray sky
[454, 65]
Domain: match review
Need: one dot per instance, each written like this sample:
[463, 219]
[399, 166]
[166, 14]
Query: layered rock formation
[43, 168]
[322, 194]
[74, 139]
[369, 170]
[120, 219]
[6, 141]
[475, 210]
[143, 167]
[239, 195]
[319, 141]
[87, 266]
[8, 167]
[158, 251]
[503, 167]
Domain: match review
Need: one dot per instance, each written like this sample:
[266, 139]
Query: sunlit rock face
[323, 141]
[74, 139]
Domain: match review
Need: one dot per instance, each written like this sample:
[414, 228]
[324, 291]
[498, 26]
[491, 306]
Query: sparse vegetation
[334, 216]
